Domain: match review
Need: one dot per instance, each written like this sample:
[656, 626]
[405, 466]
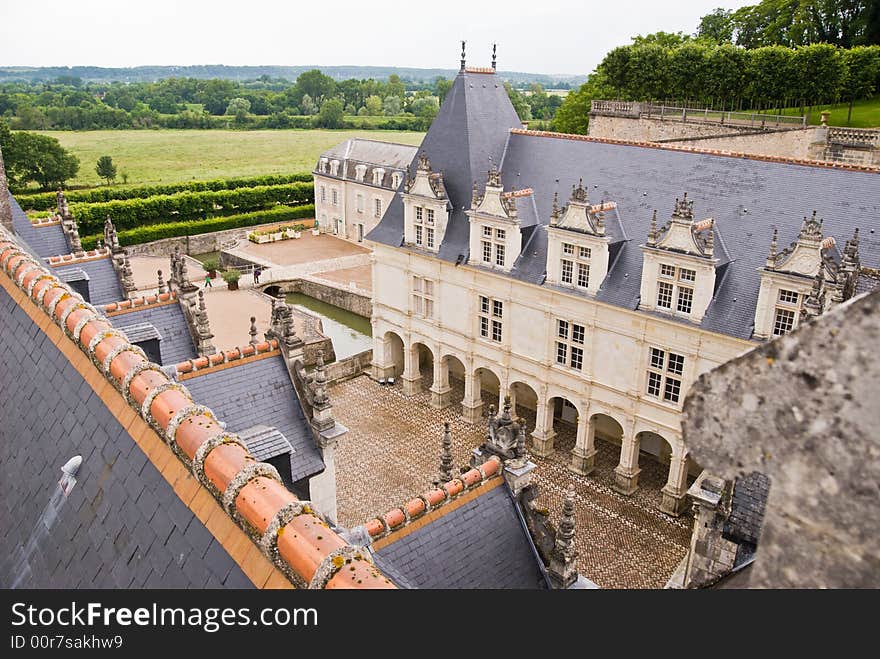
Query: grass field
[865, 113]
[170, 156]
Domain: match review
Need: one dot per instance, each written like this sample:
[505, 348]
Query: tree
[726, 73]
[573, 116]
[443, 87]
[662, 39]
[316, 84]
[862, 71]
[687, 71]
[391, 106]
[239, 108]
[523, 109]
[717, 26]
[38, 158]
[331, 114]
[821, 71]
[373, 104]
[106, 169]
[308, 105]
[425, 107]
[615, 68]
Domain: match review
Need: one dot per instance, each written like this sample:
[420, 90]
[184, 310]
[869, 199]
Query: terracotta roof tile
[289, 532]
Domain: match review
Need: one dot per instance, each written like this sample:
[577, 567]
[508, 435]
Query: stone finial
[579, 193]
[556, 213]
[253, 331]
[814, 304]
[111, 238]
[771, 255]
[72, 231]
[562, 569]
[494, 56]
[811, 229]
[203, 328]
[128, 284]
[475, 197]
[494, 177]
[710, 241]
[5, 207]
[59, 200]
[424, 162]
[162, 287]
[652, 231]
[462, 55]
[684, 209]
[446, 459]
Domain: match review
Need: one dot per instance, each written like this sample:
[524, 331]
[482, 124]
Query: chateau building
[354, 183]
[593, 281]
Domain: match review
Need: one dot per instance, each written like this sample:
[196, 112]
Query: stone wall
[338, 297]
[350, 366]
[645, 129]
[201, 243]
[802, 409]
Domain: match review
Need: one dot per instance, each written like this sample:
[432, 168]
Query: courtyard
[392, 453]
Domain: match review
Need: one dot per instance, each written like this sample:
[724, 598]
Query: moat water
[349, 332]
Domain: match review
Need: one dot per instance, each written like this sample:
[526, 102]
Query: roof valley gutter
[525, 528]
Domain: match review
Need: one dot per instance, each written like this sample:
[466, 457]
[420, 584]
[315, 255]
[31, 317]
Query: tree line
[313, 100]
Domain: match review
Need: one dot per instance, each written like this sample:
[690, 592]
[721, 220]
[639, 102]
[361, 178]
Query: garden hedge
[145, 234]
[45, 201]
[186, 206]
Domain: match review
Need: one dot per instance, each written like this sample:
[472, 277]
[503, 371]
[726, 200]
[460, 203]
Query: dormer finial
[462, 55]
[494, 56]
[652, 231]
[771, 255]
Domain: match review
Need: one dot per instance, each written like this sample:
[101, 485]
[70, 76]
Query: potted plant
[231, 278]
[316, 230]
[297, 230]
[211, 265]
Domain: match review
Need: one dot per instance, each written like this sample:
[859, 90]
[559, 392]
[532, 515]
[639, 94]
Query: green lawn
[865, 114]
[170, 156]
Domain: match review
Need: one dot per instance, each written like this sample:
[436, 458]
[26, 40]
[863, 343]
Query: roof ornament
[162, 287]
[562, 569]
[494, 176]
[111, 239]
[446, 455]
[462, 55]
[320, 382]
[128, 285]
[684, 209]
[811, 229]
[652, 231]
[253, 331]
[475, 196]
[494, 56]
[814, 304]
[557, 211]
[579, 193]
[771, 255]
[203, 328]
[424, 163]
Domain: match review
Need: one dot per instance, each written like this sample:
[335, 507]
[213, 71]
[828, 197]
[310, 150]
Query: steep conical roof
[468, 134]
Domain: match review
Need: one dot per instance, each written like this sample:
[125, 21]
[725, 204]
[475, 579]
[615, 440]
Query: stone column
[441, 392]
[626, 473]
[711, 555]
[5, 207]
[675, 491]
[472, 403]
[583, 455]
[543, 434]
[412, 377]
[382, 369]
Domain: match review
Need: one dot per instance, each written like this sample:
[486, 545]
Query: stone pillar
[626, 473]
[583, 455]
[675, 491]
[543, 434]
[5, 206]
[562, 569]
[710, 555]
[382, 369]
[441, 392]
[412, 376]
[322, 488]
[518, 474]
[472, 403]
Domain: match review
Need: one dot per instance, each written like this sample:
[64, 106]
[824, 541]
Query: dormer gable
[426, 207]
[495, 232]
[334, 167]
[577, 244]
[678, 269]
[359, 172]
[805, 279]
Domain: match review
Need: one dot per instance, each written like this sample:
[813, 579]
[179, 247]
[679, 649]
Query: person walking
[257, 273]
[208, 283]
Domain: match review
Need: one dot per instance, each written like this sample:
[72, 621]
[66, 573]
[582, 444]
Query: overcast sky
[540, 36]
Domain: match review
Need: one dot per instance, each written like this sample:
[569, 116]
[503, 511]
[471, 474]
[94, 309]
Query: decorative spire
[475, 197]
[111, 239]
[562, 570]
[494, 177]
[771, 255]
[652, 231]
[520, 447]
[811, 229]
[446, 455]
[557, 211]
[162, 287]
[320, 381]
[424, 163]
[710, 241]
[494, 56]
[814, 303]
[462, 55]
[203, 328]
[5, 208]
[253, 331]
[579, 193]
[60, 201]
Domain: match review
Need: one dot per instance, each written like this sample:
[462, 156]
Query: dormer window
[424, 227]
[359, 172]
[678, 272]
[493, 246]
[574, 267]
[322, 165]
[786, 313]
[334, 168]
[425, 207]
[396, 178]
[378, 175]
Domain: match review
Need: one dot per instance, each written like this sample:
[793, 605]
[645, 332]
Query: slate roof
[122, 525]
[265, 442]
[747, 508]
[481, 544]
[176, 345]
[260, 392]
[746, 196]
[104, 286]
[44, 241]
[355, 151]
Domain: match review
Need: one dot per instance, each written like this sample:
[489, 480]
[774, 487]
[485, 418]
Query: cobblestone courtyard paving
[392, 453]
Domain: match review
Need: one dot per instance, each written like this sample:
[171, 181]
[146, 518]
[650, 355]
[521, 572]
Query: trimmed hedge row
[146, 234]
[46, 200]
[185, 206]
